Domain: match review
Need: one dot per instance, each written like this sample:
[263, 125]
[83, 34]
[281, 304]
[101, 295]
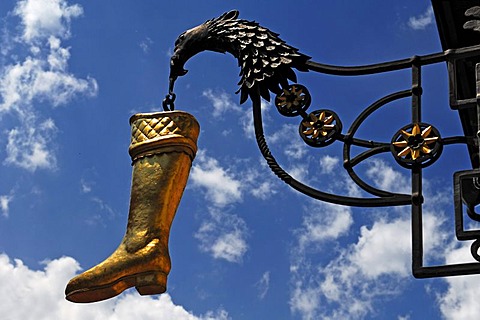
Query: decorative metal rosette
[416, 144]
[293, 101]
[320, 128]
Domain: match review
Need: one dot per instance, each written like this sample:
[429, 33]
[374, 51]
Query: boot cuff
[159, 132]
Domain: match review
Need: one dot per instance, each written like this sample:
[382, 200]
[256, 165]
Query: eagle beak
[176, 67]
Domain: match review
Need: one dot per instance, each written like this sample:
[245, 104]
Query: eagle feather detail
[265, 60]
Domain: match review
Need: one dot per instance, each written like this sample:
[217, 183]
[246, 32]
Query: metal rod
[417, 221]
[367, 154]
[477, 78]
[348, 163]
[456, 140]
[375, 106]
[451, 54]
[417, 196]
[416, 92]
[447, 271]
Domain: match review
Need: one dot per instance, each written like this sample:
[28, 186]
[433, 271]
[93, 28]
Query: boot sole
[146, 283]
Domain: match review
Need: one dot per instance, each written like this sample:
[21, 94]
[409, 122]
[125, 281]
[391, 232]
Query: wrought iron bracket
[267, 61]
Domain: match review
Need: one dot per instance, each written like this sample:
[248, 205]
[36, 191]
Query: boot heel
[154, 282]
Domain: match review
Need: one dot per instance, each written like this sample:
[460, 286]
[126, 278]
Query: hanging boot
[162, 149]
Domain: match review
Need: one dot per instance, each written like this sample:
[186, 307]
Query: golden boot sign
[162, 148]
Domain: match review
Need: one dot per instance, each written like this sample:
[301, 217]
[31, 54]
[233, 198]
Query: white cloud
[338, 290]
[223, 186]
[42, 77]
[263, 285]
[262, 189]
[305, 302]
[146, 44]
[363, 274]
[29, 148]
[460, 301]
[221, 102]
[385, 248]
[300, 172]
[39, 75]
[292, 145]
[223, 107]
[223, 236]
[104, 207]
[323, 222]
[420, 22]
[220, 185]
[367, 272]
[88, 180]
[5, 203]
[39, 294]
[259, 181]
[387, 178]
[43, 18]
[328, 163]
[229, 246]
[85, 186]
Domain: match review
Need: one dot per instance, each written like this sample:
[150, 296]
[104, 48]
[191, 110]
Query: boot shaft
[162, 149]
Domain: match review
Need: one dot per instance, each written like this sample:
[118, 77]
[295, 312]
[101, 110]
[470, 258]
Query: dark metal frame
[267, 63]
[384, 198]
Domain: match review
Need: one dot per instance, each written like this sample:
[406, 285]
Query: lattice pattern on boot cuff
[150, 130]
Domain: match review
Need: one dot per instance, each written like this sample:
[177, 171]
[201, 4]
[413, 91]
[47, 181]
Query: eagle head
[187, 45]
[196, 40]
[265, 60]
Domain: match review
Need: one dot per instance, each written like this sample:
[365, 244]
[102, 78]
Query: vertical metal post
[416, 91]
[477, 78]
[417, 197]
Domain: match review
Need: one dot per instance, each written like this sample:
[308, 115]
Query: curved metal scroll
[386, 200]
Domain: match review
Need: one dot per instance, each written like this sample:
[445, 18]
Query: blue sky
[243, 245]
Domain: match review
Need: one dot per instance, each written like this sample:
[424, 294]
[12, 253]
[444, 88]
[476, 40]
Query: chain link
[169, 102]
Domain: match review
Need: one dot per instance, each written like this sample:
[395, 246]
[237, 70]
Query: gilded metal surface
[167, 129]
[316, 126]
[320, 128]
[291, 98]
[163, 146]
[416, 143]
[293, 101]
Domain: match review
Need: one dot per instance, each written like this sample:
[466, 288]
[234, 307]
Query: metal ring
[293, 101]
[320, 128]
[416, 144]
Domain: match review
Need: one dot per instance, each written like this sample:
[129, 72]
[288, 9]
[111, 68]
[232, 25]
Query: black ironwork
[473, 24]
[266, 64]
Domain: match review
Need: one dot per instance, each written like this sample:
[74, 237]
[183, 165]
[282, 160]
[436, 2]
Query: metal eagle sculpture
[265, 60]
